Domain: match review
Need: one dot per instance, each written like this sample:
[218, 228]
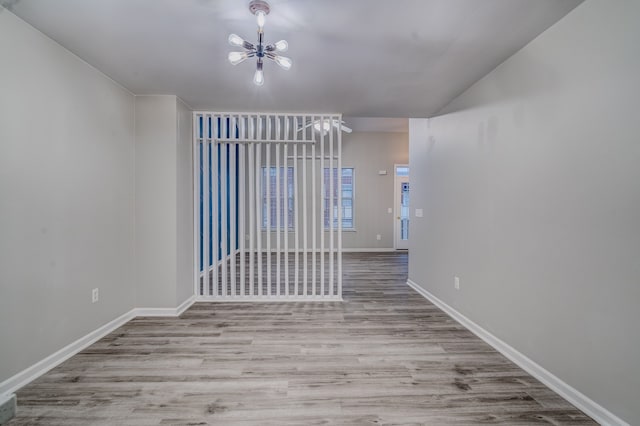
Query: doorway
[401, 207]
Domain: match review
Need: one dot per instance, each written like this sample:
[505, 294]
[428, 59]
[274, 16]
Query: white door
[401, 212]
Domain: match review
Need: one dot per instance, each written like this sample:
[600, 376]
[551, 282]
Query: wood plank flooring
[383, 356]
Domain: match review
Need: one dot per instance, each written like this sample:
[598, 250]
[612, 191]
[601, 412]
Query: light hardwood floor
[383, 356]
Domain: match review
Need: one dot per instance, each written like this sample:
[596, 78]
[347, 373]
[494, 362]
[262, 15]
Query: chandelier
[260, 9]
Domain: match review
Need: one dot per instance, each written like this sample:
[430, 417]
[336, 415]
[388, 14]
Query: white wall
[184, 199]
[156, 213]
[368, 153]
[66, 197]
[164, 210]
[529, 183]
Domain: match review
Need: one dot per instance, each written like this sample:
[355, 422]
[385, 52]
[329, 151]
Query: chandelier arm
[259, 50]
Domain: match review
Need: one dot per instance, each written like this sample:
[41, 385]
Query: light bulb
[236, 40]
[324, 125]
[283, 61]
[236, 57]
[260, 18]
[258, 78]
[282, 46]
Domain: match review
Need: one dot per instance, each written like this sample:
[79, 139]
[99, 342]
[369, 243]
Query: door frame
[396, 204]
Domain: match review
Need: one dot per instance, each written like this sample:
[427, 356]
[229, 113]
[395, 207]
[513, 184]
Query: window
[271, 204]
[402, 170]
[347, 198]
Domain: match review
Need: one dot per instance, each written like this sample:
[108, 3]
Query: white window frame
[353, 199]
[263, 197]
[396, 213]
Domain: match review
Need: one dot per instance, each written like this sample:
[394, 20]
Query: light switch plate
[419, 213]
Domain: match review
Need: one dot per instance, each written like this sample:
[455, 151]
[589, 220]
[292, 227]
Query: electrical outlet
[378, 237]
[456, 283]
[389, 210]
[94, 295]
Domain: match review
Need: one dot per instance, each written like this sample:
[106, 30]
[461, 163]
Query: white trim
[165, 312]
[272, 139]
[248, 141]
[249, 113]
[575, 397]
[8, 407]
[195, 155]
[4, 398]
[344, 250]
[396, 203]
[272, 298]
[185, 305]
[369, 250]
[29, 374]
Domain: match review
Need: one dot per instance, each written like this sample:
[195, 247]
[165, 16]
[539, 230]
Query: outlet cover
[456, 283]
[95, 295]
[378, 237]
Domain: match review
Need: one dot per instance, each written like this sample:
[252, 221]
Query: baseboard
[581, 401]
[12, 384]
[7, 407]
[369, 250]
[185, 305]
[165, 312]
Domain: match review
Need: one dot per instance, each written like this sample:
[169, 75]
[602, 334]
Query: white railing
[237, 257]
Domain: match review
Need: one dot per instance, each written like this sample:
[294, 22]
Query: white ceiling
[377, 124]
[394, 58]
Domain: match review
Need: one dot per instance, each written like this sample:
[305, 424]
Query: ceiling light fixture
[325, 125]
[260, 9]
